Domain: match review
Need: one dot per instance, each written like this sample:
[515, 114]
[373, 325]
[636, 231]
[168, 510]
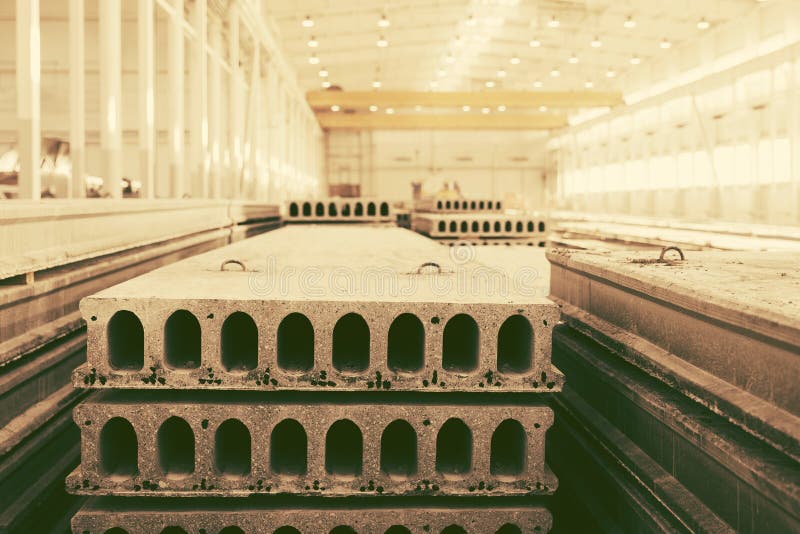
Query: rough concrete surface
[408, 448]
[372, 300]
[100, 515]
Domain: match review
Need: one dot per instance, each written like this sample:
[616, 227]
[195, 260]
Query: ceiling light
[501, 108]
[471, 21]
[382, 42]
[335, 107]
[485, 111]
[665, 44]
[537, 83]
[326, 84]
[313, 42]
[596, 42]
[390, 111]
[610, 73]
[703, 24]
[434, 84]
[555, 73]
[314, 60]
[514, 60]
[465, 108]
[376, 84]
[553, 22]
[501, 73]
[573, 59]
[635, 60]
[323, 73]
[373, 108]
[535, 43]
[383, 22]
[629, 22]
[450, 58]
[308, 22]
[489, 84]
[589, 84]
[542, 108]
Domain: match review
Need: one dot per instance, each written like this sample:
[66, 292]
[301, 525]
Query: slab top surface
[345, 263]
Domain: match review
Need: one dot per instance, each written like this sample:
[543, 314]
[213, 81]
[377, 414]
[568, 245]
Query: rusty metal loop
[430, 264]
[232, 262]
[667, 249]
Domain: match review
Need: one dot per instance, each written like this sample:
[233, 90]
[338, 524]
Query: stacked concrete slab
[683, 407]
[339, 210]
[350, 376]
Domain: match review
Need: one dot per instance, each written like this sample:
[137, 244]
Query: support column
[111, 95]
[199, 103]
[234, 104]
[215, 109]
[176, 74]
[77, 107]
[29, 136]
[146, 98]
[253, 125]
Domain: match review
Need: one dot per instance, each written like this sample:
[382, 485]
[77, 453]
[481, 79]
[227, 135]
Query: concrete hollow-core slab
[237, 444]
[344, 308]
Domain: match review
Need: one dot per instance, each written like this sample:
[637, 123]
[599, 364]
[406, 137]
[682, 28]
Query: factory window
[464, 227]
[530, 226]
[406, 344]
[175, 447]
[509, 528]
[306, 209]
[508, 449]
[182, 340]
[454, 448]
[288, 450]
[453, 529]
[293, 211]
[343, 449]
[475, 226]
[460, 344]
[456, 205]
[232, 448]
[346, 210]
[442, 226]
[332, 211]
[399, 449]
[239, 342]
[384, 209]
[514, 345]
[296, 343]
[173, 530]
[481, 205]
[343, 529]
[231, 530]
[119, 449]
[439, 205]
[453, 226]
[125, 341]
[486, 226]
[287, 530]
[371, 209]
[497, 226]
[447, 205]
[359, 211]
[541, 226]
[520, 227]
[397, 529]
[320, 210]
[351, 343]
[508, 226]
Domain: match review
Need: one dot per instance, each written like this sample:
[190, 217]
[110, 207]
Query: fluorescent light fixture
[323, 73]
[555, 73]
[326, 84]
[489, 84]
[629, 22]
[703, 24]
[382, 42]
[313, 59]
[485, 111]
[573, 59]
[335, 107]
[501, 73]
[553, 22]
[535, 43]
[514, 60]
[542, 108]
[665, 43]
[501, 108]
[465, 108]
[537, 83]
[596, 42]
[383, 22]
[610, 73]
[635, 60]
[377, 84]
[313, 43]
[390, 111]
[589, 84]
[308, 22]
[373, 108]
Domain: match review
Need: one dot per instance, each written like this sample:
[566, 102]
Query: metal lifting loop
[429, 264]
[667, 249]
[232, 262]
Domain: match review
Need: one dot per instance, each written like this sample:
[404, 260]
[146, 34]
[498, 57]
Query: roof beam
[459, 121]
[409, 99]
